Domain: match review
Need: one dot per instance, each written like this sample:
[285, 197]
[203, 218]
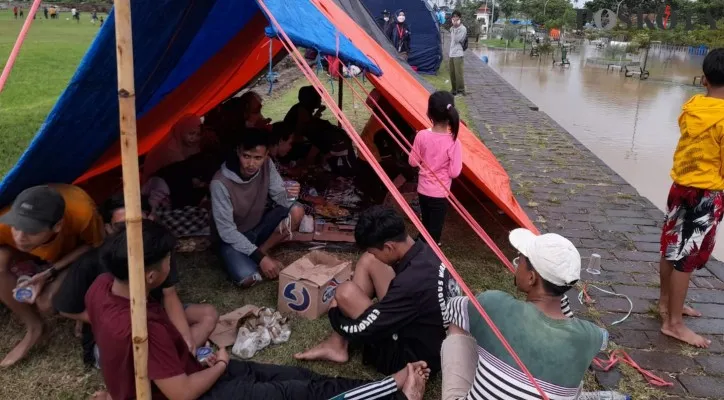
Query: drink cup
[594, 264]
[23, 294]
[288, 185]
[202, 353]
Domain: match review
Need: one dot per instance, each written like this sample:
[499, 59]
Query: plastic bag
[307, 225]
[256, 332]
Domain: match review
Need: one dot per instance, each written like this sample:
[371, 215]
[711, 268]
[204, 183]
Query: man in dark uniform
[412, 286]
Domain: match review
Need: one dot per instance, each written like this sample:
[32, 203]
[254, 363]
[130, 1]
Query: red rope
[450, 197]
[18, 44]
[619, 355]
[362, 147]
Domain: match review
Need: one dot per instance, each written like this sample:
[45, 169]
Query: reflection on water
[630, 124]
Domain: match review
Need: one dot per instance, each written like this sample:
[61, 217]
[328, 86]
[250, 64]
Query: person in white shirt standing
[458, 36]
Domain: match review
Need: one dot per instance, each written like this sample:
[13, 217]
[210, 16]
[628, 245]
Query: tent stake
[132, 194]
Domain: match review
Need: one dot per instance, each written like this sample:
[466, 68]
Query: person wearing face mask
[385, 21]
[399, 33]
[458, 34]
[182, 142]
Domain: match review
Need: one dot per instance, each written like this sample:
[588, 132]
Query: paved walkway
[565, 188]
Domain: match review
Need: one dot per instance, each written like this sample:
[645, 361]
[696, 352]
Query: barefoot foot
[414, 386]
[332, 349]
[683, 333]
[33, 336]
[687, 311]
[419, 367]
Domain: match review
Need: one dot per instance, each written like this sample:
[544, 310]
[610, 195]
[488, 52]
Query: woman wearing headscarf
[182, 142]
[399, 33]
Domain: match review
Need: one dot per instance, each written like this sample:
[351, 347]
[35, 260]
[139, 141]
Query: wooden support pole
[132, 194]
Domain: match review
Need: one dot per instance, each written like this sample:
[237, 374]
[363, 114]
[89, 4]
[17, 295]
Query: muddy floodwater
[630, 124]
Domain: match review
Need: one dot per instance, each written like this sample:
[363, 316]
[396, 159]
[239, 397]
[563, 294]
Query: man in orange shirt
[45, 230]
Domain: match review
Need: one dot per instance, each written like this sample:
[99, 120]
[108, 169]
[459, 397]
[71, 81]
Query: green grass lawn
[501, 44]
[51, 53]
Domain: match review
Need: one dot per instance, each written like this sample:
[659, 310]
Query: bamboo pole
[132, 194]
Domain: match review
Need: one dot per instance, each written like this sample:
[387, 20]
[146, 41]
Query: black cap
[35, 210]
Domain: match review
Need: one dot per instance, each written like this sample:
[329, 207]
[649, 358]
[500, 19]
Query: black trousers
[433, 211]
[248, 380]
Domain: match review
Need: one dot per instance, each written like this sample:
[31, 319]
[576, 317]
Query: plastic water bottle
[604, 395]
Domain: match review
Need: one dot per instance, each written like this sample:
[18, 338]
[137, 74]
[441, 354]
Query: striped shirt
[558, 366]
[370, 391]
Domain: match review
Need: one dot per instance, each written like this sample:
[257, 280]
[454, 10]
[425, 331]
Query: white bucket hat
[554, 257]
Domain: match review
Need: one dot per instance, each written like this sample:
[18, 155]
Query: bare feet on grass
[33, 336]
[682, 332]
[414, 387]
[334, 349]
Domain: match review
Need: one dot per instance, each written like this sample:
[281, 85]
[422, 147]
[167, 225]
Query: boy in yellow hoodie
[695, 205]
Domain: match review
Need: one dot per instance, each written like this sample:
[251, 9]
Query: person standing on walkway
[695, 205]
[458, 35]
[439, 155]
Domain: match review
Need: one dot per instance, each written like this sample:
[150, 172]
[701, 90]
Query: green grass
[441, 81]
[501, 44]
[47, 60]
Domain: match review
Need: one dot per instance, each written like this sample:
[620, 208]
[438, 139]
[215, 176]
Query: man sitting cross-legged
[172, 368]
[556, 348]
[41, 235]
[407, 323]
[195, 322]
[239, 193]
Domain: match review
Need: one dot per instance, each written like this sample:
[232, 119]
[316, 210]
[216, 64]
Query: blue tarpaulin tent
[173, 40]
[426, 45]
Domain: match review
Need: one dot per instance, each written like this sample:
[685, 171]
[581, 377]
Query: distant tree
[508, 7]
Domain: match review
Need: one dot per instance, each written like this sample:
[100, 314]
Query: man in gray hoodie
[247, 229]
[458, 34]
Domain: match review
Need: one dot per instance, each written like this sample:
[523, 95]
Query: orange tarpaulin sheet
[410, 99]
[242, 59]
[247, 54]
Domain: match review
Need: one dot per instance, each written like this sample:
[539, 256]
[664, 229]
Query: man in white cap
[556, 348]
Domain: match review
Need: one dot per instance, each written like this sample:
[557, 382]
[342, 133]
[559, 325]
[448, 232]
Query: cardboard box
[307, 286]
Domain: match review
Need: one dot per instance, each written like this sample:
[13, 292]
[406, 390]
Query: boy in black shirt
[408, 322]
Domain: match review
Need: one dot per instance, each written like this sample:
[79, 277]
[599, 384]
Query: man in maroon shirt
[173, 370]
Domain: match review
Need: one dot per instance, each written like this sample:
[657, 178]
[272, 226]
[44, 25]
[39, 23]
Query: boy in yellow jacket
[695, 205]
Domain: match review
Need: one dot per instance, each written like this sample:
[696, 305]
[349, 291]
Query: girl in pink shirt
[439, 155]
